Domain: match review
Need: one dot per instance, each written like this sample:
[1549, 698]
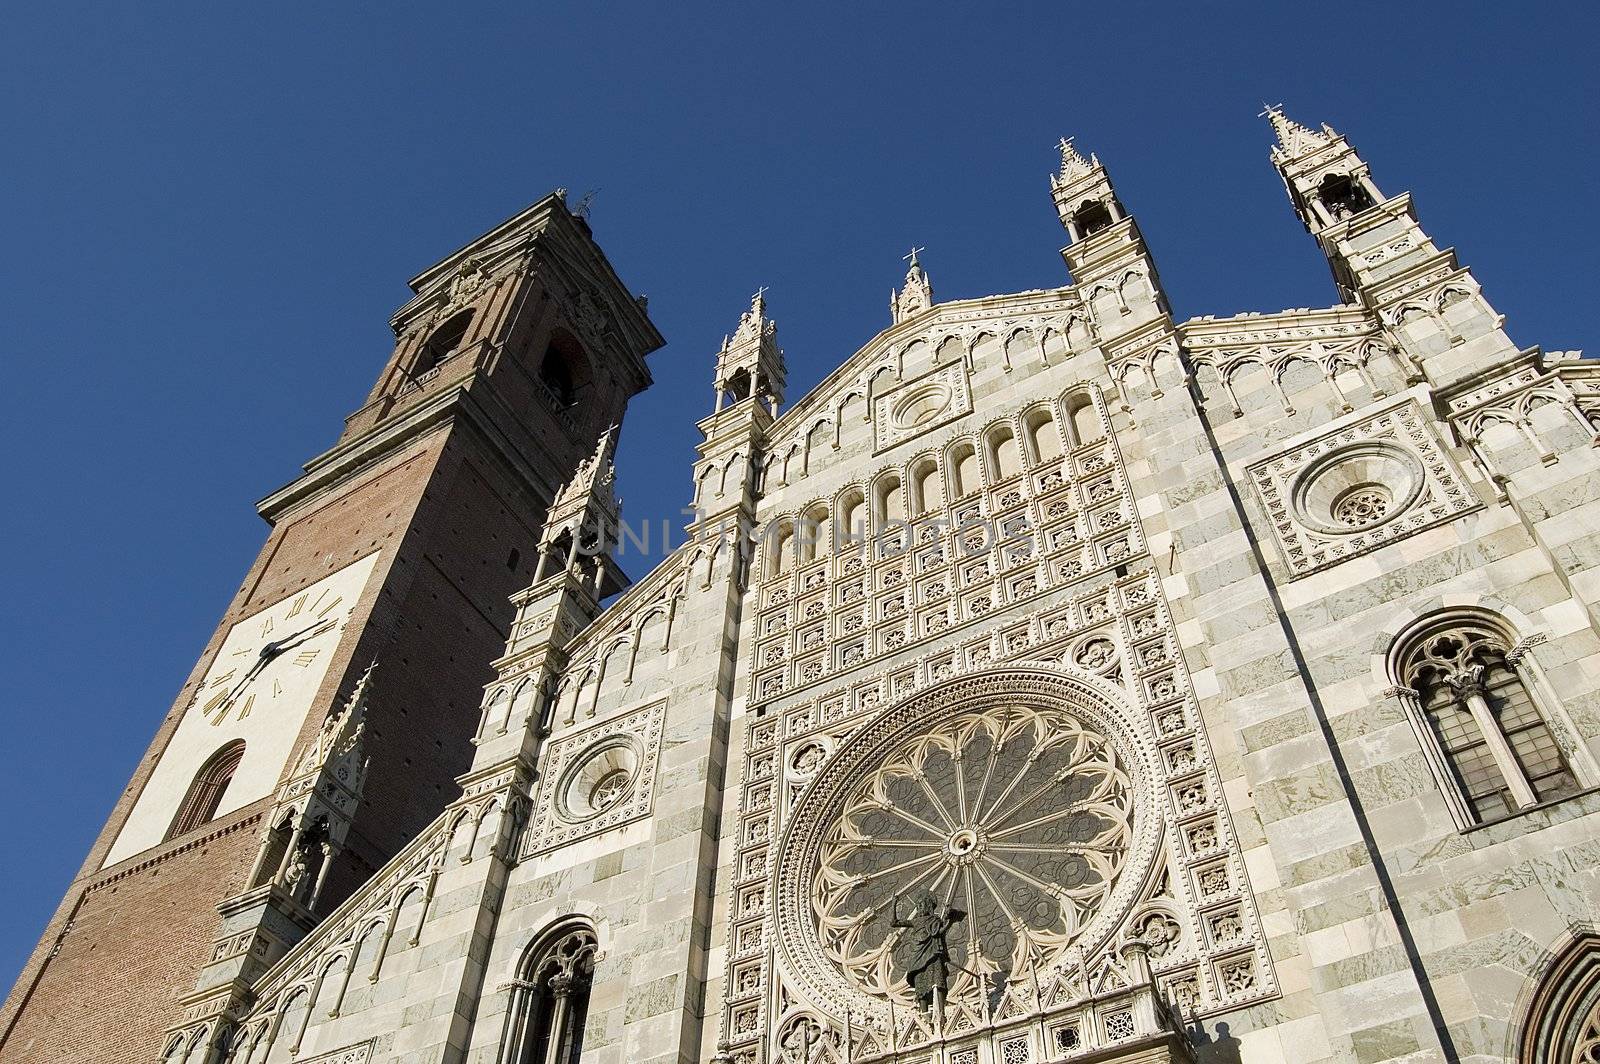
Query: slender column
[572, 551]
[344, 982]
[427, 902]
[290, 851]
[555, 1049]
[322, 874]
[257, 867]
[519, 1021]
[383, 948]
[1469, 688]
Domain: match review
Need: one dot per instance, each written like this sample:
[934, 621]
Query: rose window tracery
[1020, 818]
[1362, 506]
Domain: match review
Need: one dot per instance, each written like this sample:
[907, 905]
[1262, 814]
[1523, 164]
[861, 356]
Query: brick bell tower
[401, 545]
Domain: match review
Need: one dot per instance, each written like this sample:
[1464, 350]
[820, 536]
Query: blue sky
[210, 212]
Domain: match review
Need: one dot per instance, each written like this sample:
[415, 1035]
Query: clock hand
[255, 670]
[270, 652]
[297, 638]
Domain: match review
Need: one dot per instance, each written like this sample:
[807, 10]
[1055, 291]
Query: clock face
[258, 688]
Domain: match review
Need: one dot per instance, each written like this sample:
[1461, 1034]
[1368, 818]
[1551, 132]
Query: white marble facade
[1235, 679]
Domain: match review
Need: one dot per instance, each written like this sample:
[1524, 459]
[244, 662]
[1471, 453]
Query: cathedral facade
[1055, 681]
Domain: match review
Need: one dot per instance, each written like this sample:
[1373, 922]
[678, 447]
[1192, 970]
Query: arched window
[1042, 435]
[564, 370]
[205, 793]
[852, 516]
[551, 998]
[1562, 1023]
[815, 535]
[1343, 196]
[1466, 688]
[890, 498]
[964, 470]
[1085, 419]
[925, 482]
[1003, 458]
[737, 388]
[1091, 217]
[443, 343]
[781, 557]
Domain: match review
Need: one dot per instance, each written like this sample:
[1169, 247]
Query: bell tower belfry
[1383, 259]
[403, 542]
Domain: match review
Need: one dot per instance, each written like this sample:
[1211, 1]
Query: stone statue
[926, 938]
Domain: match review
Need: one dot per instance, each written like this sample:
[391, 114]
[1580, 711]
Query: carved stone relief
[597, 779]
[1351, 491]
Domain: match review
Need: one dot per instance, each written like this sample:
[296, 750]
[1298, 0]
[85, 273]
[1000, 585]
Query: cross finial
[584, 204]
[760, 296]
[912, 258]
[1065, 144]
[1270, 109]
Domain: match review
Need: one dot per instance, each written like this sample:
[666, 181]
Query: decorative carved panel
[598, 779]
[918, 406]
[1349, 492]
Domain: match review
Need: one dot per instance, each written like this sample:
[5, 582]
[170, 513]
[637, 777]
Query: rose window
[1017, 818]
[1364, 505]
[611, 789]
[600, 780]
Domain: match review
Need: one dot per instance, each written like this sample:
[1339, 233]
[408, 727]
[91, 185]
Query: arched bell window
[1477, 707]
[564, 370]
[210, 784]
[443, 342]
[1091, 217]
[550, 998]
[1343, 196]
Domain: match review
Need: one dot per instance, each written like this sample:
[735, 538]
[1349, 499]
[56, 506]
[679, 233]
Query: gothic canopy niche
[1014, 796]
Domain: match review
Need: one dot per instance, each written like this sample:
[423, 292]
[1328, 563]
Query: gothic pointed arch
[550, 996]
[1561, 1022]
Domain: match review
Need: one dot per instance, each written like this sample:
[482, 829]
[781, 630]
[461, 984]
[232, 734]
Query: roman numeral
[277, 688]
[266, 627]
[306, 657]
[218, 701]
[296, 606]
[323, 612]
[223, 680]
[244, 708]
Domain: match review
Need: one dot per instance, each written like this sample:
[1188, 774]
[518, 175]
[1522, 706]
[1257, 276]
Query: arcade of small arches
[929, 482]
[1012, 347]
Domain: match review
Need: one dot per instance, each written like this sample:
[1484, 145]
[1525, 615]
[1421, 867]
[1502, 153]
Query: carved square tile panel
[598, 779]
[1349, 492]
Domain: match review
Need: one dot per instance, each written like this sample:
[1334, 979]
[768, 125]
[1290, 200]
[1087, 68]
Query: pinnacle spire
[917, 295]
[753, 322]
[1073, 164]
[1294, 139]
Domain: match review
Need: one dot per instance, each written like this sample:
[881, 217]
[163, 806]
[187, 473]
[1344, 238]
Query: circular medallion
[922, 404]
[1356, 488]
[600, 780]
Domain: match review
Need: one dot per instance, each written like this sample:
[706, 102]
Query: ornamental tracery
[1018, 817]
